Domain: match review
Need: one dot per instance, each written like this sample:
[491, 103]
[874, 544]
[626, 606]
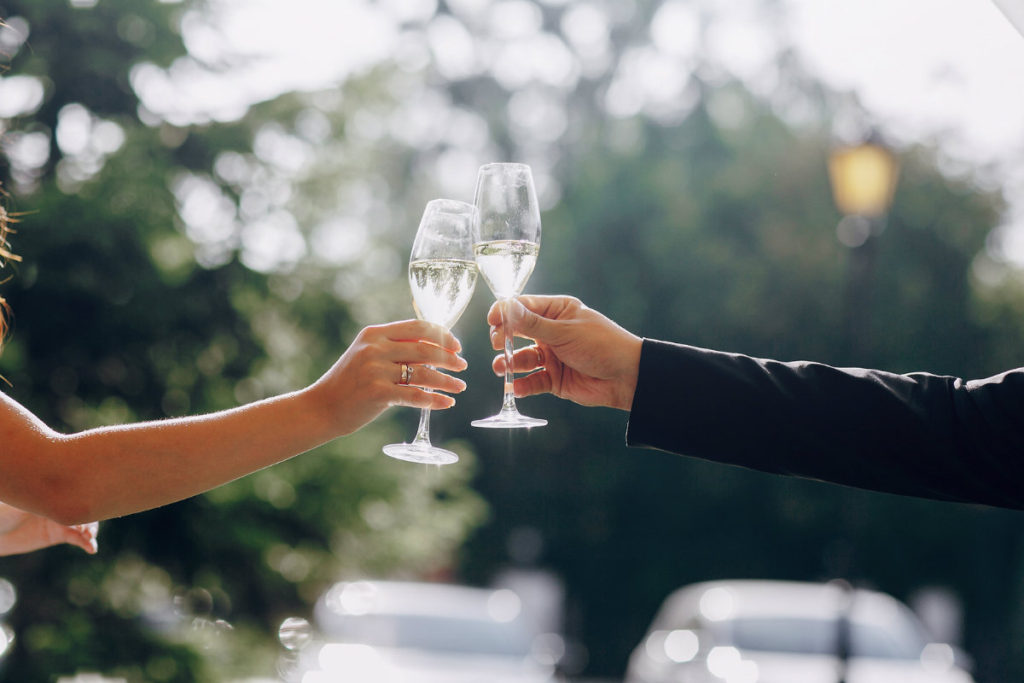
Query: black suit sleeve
[916, 434]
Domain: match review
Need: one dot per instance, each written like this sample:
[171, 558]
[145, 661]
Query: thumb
[525, 323]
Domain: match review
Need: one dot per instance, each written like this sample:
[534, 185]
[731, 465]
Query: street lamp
[863, 178]
[863, 181]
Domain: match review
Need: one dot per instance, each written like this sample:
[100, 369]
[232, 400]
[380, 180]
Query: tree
[134, 302]
[691, 204]
[685, 199]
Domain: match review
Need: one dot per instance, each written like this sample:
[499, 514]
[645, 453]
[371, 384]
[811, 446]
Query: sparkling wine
[441, 288]
[506, 265]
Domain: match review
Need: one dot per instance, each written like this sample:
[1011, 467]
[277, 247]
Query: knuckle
[376, 348]
[370, 332]
[364, 344]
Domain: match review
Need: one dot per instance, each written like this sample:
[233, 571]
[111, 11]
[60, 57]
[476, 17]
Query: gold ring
[406, 374]
[540, 356]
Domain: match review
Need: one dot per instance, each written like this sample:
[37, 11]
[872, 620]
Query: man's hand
[578, 354]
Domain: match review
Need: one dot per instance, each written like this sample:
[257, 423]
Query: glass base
[509, 418]
[424, 453]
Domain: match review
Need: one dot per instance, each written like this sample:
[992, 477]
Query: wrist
[313, 408]
[631, 349]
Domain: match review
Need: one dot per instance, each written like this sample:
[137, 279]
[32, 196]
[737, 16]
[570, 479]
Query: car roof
[750, 598]
[420, 598]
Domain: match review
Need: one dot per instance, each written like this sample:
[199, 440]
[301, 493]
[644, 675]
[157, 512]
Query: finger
[418, 353]
[428, 378]
[80, 536]
[498, 337]
[544, 305]
[89, 532]
[92, 530]
[421, 330]
[512, 315]
[414, 397]
[494, 316]
[535, 383]
[524, 360]
[548, 305]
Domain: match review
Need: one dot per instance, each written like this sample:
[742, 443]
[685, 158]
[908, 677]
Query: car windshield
[435, 633]
[821, 637]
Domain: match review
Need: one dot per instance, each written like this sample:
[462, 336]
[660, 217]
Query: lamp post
[863, 178]
[844, 630]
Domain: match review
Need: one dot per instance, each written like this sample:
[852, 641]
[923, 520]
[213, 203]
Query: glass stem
[423, 431]
[508, 403]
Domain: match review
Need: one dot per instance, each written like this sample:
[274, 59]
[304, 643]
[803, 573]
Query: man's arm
[917, 434]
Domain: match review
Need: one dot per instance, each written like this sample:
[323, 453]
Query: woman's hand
[368, 378]
[22, 532]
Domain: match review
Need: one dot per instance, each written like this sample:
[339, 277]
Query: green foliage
[722, 234]
[124, 310]
[712, 226]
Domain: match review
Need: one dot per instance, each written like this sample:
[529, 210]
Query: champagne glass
[506, 247]
[442, 275]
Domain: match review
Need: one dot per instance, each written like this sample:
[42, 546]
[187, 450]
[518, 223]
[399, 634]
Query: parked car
[789, 632]
[8, 598]
[406, 632]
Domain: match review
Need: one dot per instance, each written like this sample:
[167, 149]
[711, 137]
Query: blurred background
[216, 195]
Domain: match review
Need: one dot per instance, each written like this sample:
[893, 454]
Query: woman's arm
[113, 471]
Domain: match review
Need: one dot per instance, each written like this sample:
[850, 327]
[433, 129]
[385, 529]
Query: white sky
[944, 70]
[950, 70]
[952, 66]
[930, 65]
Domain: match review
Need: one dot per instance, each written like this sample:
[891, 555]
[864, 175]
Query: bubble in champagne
[295, 633]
